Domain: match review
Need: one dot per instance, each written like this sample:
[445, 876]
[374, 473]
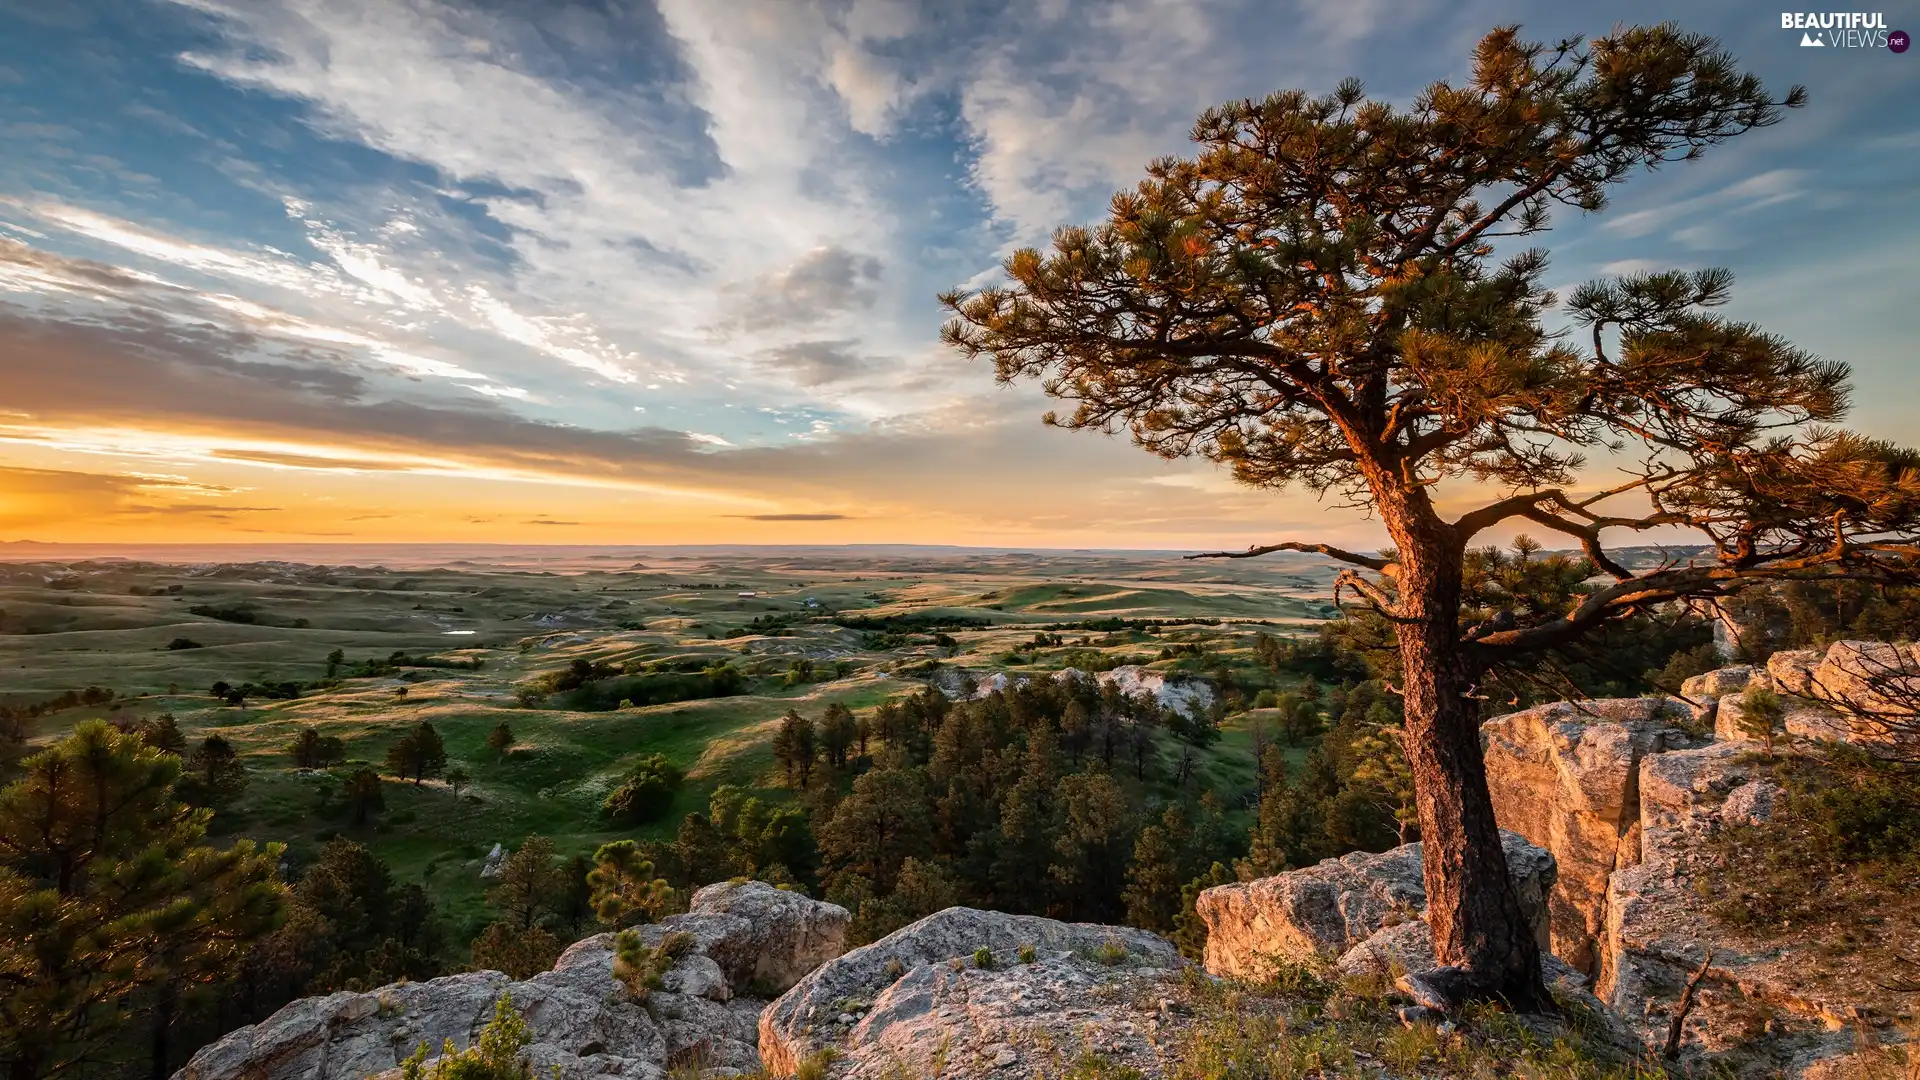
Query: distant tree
[530, 885]
[1332, 292]
[334, 660]
[305, 749]
[500, 739]
[418, 754]
[221, 689]
[364, 797]
[163, 733]
[793, 746]
[1269, 837]
[458, 779]
[112, 911]
[183, 643]
[520, 951]
[215, 775]
[625, 890]
[1382, 765]
[838, 733]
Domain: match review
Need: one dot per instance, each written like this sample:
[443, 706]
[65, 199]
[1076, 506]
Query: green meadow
[160, 635]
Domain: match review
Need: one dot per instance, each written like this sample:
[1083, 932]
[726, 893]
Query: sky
[663, 271]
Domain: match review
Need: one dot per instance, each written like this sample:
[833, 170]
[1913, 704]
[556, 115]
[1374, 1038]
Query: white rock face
[1179, 692]
[1327, 909]
[918, 994]
[1564, 776]
[748, 936]
[491, 868]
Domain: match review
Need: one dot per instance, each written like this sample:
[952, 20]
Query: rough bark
[1478, 926]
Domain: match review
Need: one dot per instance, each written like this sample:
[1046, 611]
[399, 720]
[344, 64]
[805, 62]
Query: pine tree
[500, 739]
[1154, 882]
[520, 951]
[1761, 713]
[838, 732]
[530, 884]
[1333, 292]
[108, 898]
[364, 797]
[793, 746]
[215, 775]
[163, 733]
[625, 890]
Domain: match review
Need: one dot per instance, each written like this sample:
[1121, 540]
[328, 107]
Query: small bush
[1111, 953]
[184, 643]
[1028, 954]
[983, 958]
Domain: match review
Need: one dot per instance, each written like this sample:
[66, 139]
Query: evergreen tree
[458, 778]
[1091, 849]
[500, 739]
[215, 775]
[111, 909]
[520, 951]
[163, 734]
[418, 754]
[1318, 297]
[881, 823]
[530, 884]
[1156, 878]
[625, 890]
[838, 733]
[364, 797]
[793, 746]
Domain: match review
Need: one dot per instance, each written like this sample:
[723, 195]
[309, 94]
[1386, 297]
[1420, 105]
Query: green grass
[105, 631]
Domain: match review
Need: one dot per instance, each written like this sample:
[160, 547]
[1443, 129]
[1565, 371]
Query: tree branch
[1373, 563]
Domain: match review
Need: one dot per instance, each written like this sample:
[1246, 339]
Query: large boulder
[583, 1022]
[1324, 910]
[1564, 776]
[1790, 671]
[918, 996]
[763, 938]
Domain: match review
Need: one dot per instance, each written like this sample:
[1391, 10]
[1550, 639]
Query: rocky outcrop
[1767, 1006]
[749, 938]
[918, 1002]
[1564, 776]
[1323, 911]
[1631, 800]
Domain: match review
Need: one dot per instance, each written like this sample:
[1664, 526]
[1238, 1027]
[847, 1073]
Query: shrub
[1028, 954]
[184, 643]
[495, 1055]
[983, 958]
[647, 792]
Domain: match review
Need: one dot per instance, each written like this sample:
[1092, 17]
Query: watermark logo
[1844, 30]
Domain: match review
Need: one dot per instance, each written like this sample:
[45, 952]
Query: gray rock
[763, 938]
[917, 999]
[491, 869]
[582, 1020]
[1752, 803]
[1325, 910]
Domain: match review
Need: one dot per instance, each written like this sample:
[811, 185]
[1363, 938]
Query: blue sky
[668, 267]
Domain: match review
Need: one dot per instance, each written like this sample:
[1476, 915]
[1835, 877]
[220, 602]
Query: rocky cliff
[1629, 795]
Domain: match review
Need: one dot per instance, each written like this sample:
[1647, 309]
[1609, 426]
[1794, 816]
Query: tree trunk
[1472, 907]
[160, 1034]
